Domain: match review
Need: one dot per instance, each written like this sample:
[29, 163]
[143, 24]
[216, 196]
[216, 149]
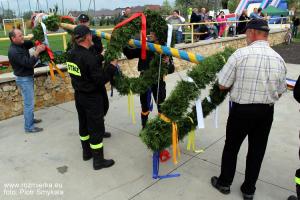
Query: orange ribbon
[175, 146]
[143, 30]
[52, 65]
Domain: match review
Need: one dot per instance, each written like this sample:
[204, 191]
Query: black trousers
[91, 117]
[254, 121]
[161, 96]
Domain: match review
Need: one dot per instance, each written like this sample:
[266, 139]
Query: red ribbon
[47, 49]
[143, 30]
[164, 156]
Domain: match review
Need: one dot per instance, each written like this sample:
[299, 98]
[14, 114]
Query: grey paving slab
[195, 184]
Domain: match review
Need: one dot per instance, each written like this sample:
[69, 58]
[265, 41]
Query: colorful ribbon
[175, 146]
[155, 169]
[131, 106]
[143, 30]
[191, 140]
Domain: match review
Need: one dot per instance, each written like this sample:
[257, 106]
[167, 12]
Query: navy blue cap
[80, 31]
[258, 24]
[83, 18]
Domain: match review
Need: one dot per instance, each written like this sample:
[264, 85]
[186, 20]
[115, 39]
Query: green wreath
[177, 107]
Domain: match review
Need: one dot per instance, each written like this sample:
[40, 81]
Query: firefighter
[143, 65]
[88, 80]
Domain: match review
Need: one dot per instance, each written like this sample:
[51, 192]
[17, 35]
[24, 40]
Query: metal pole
[94, 9]
[80, 5]
[29, 5]
[47, 5]
[63, 8]
[19, 8]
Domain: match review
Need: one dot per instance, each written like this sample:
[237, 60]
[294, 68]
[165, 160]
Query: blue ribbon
[149, 100]
[155, 172]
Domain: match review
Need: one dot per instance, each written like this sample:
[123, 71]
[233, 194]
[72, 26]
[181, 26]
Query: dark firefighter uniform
[88, 80]
[144, 97]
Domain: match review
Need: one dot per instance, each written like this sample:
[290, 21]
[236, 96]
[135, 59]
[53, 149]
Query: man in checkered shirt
[256, 78]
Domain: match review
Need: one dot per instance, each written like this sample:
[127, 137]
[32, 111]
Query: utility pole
[63, 8]
[29, 5]
[80, 5]
[94, 9]
[8, 9]
[2, 9]
[89, 7]
[37, 6]
[47, 5]
[19, 8]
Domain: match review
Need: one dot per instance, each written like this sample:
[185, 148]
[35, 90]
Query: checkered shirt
[255, 74]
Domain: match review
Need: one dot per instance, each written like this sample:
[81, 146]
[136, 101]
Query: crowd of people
[208, 27]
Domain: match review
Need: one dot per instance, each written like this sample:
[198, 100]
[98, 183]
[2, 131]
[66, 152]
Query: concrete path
[48, 165]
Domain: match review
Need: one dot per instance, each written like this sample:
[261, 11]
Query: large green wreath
[178, 108]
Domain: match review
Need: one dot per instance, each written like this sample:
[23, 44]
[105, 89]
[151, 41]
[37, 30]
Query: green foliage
[121, 36]
[157, 133]
[166, 8]
[232, 5]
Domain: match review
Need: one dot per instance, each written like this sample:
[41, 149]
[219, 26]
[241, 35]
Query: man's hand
[39, 49]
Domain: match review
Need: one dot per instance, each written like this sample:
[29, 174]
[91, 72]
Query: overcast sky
[74, 4]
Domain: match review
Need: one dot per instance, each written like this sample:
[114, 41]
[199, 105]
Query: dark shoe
[36, 121]
[35, 130]
[107, 135]
[86, 150]
[247, 196]
[292, 198]
[99, 162]
[222, 189]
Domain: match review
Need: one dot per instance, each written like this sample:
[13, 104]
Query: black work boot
[215, 184]
[86, 150]
[99, 162]
[144, 119]
[107, 134]
[292, 198]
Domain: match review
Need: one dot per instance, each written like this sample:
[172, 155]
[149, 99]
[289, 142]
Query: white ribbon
[46, 42]
[216, 114]
[170, 33]
[199, 110]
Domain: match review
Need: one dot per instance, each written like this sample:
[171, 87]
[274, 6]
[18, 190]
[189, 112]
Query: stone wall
[49, 93]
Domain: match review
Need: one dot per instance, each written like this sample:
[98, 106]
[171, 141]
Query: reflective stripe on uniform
[96, 146]
[73, 69]
[84, 138]
[297, 180]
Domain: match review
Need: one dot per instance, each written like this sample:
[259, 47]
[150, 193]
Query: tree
[166, 8]
[232, 5]
[27, 15]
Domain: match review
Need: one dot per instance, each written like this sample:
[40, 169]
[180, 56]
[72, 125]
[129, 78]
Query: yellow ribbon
[191, 140]
[175, 146]
[131, 106]
[53, 66]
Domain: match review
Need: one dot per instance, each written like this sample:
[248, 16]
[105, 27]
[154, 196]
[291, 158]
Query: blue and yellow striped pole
[184, 55]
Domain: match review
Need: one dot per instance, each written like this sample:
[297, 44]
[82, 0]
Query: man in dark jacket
[143, 65]
[88, 80]
[84, 19]
[23, 64]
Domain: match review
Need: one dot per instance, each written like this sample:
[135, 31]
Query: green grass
[56, 44]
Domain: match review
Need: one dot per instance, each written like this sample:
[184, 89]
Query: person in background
[259, 13]
[157, 91]
[222, 23]
[255, 75]
[84, 19]
[296, 23]
[175, 18]
[23, 67]
[243, 21]
[204, 31]
[203, 14]
[212, 29]
[125, 15]
[254, 14]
